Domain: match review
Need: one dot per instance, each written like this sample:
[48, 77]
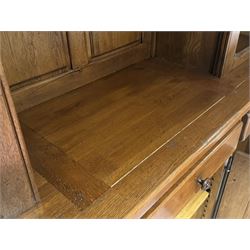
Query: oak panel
[103, 42]
[84, 70]
[190, 49]
[28, 55]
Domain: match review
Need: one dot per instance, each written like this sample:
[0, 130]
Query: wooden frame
[84, 69]
[18, 188]
[226, 57]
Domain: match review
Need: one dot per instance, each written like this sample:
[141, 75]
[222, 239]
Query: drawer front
[246, 127]
[171, 204]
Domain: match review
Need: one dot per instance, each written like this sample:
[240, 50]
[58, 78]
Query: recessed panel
[104, 42]
[27, 55]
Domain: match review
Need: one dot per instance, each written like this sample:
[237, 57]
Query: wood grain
[68, 176]
[104, 42]
[51, 199]
[190, 49]
[118, 145]
[18, 190]
[83, 73]
[98, 129]
[120, 101]
[159, 175]
[78, 49]
[229, 58]
[28, 55]
[53, 204]
[174, 200]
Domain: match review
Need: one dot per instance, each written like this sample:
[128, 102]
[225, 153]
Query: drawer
[171, 204]
[246, 127]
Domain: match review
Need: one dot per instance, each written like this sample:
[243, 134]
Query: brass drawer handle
[206, 184]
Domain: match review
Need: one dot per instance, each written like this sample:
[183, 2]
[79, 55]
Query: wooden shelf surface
[112, 145]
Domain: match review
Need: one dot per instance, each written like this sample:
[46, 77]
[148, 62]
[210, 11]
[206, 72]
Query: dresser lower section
[186, 198]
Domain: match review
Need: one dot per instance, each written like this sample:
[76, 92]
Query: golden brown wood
[247, 212]
[78, 49]
[18, 190]
[220, 51]
[190, 49]
[200, 210]
[173, 201]
[158, 176]
[246, 127]
[118, 145]
[191, 209]
[51, 199]
[68, 176]
[53, 204]
[229, 58]
[104, 42]
[144, 102]
[109, 138]
[96, 68]
[33, 55]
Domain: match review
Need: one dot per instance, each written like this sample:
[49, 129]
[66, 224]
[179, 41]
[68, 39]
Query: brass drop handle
[206, 184]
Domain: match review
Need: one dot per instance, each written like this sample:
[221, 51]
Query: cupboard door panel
[103, 42]
[28, 55]
[85, 67]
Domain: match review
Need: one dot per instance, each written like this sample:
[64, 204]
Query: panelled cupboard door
[33, 56]
[44, 65]
[104, 42]
[108, 44]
